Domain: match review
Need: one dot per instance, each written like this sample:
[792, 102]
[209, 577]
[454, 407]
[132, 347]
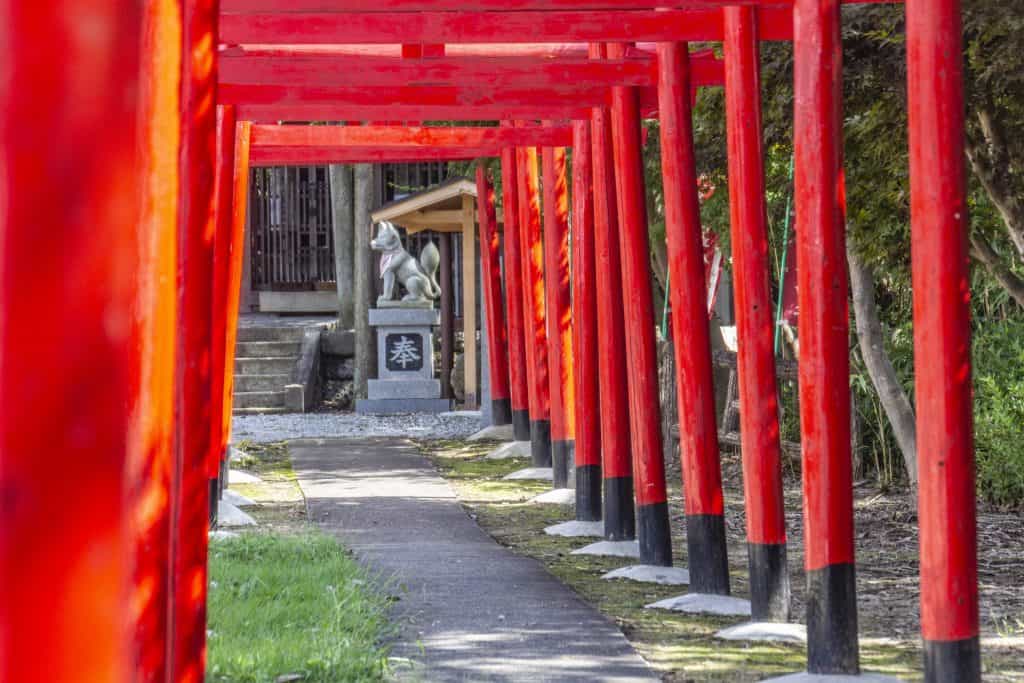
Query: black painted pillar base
[619, 514]
[588, 493]
[563, 456]
[521, 425]
[214, 500]
[769, 582]
[501, 411]
[653, 534]
[952, 661]
[707, 555]
[540, 443]
[832, 621]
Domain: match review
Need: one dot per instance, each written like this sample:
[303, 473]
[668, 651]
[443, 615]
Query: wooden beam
[386, 6]
[407, 137]
[489, 27]
[304, 156]
[330, 70]
[362, 111]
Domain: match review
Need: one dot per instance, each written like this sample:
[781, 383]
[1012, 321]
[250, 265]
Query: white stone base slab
[531, 474]
[575, 529]
[703, 603]
[648, 573]
[832, 678]
[514, 449]
[237, 499]
[494, 433]
[240, 477]
[230, 516]
[236, 454]
[765, 631]
[463, 413]
[220, 535]
[611, 549]
[556, 497]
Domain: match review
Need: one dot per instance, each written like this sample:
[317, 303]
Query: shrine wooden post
[758, 389]
[638, 306]
[517, 357]
[942, 343]
[490, 276]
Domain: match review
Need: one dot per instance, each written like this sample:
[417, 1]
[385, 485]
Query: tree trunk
[991, 163]
[883, 375]
[365, 279]
[982, 251]
[343, 221]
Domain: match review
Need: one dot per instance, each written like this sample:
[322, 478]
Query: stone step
[259, 411]
[259, 399]
[264, 366]
[261, 382]
[267, 349]
[270, 333]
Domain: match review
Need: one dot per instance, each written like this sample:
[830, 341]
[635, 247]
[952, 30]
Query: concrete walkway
[478, 611]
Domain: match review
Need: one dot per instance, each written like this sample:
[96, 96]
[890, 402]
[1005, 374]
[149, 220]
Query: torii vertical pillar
[616, 462]
[758, 389]
[638, 306]
[698, 428]
[490, 276]
[585, 331]
[534, 317]
[942, 343]
[517, 359]
[824, 340]
[559, 316]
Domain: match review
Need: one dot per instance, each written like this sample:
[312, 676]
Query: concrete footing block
[765, 631]
[230, 516]
[237, 499]
[556, 497]
[703, 603]
[805, 677]
[494, 433]
[507, 451]
[531, 474]
[611, 549]
[575, 529]
[240, 477]
[647, 573]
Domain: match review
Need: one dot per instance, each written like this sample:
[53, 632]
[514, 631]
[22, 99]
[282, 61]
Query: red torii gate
[169, 493]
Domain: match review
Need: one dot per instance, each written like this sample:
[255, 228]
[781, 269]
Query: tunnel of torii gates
[152, 181]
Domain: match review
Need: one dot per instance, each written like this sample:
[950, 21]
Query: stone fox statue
[417, 277]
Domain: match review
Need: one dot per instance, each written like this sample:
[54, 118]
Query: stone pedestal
[405, 364]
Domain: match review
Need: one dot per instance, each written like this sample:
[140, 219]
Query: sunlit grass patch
[292, 605]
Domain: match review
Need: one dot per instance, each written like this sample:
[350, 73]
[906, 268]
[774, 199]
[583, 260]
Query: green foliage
[281, 605]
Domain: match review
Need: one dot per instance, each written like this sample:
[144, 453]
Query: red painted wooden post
[534, 319]
[517, 358]
[239, 209]
[641, 354]
[824, 340]
[942, 343]
[616, 460]
[68, 123]
[197, 164]
[698, 427]
[559, 315]
[490, 277]
[758, 389]
[587, 365]
[152, 472]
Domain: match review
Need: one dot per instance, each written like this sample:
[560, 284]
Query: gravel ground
[266, 428]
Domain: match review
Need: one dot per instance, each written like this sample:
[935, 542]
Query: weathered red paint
[698, 427]
[407, 137]
[305, 156]
[66, 615]
[586, 363]
[758, 390]
[637, 298]
[195, 277]
[381, 6]
[942, 328]
[369, 111]
[334, 28]
[490, 278]
[824, 314]
[532, 253]
[557, 293]
[517, 356]
[611, 339]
